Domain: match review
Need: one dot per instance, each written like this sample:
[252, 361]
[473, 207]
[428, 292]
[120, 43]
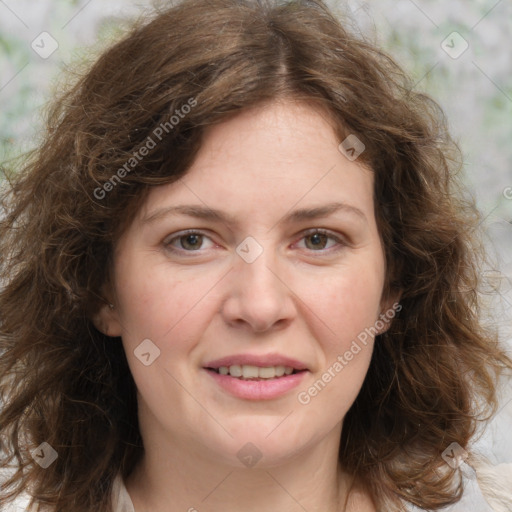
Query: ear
[389, 308]
[106, 320]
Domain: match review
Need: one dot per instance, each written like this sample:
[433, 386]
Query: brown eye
[191, 241]
[317, 241]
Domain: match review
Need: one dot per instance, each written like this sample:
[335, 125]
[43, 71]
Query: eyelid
[340, 240]
[179, 234]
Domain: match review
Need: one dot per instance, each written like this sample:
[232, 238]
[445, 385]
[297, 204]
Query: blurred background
[459, 52]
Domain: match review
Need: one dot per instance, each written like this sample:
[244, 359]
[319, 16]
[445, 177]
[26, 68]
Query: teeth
[235, 370]
[248, 371]
[265, 373]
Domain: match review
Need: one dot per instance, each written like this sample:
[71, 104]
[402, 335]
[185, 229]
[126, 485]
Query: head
[241, 107]
[259, 284]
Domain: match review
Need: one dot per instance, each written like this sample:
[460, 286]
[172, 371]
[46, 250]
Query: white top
[473, 501]
[120, 498]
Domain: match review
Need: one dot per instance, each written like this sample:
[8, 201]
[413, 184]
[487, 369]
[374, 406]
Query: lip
[257, 389]
[262, 361]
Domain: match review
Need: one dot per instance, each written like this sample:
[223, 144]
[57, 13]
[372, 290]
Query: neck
[190, 481]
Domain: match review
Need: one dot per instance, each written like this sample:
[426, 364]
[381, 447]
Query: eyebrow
[205, 213]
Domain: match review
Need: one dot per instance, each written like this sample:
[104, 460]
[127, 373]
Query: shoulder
[473, 499]
[20, 504]
[484, 491]
[121, 501]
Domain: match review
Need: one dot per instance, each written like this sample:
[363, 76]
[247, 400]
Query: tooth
[249, 372]
[235, 370]
[267, 373]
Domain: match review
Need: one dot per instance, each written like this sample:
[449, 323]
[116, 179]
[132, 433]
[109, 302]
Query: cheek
[346, 309]
[346, 302]
[162, 304]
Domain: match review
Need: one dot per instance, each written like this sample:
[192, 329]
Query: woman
[239, 274]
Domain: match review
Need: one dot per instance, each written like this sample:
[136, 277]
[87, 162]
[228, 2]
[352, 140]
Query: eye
[318, 239]
[188, 241]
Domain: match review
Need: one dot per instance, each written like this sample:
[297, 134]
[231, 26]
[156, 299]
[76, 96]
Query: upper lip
[262, 361]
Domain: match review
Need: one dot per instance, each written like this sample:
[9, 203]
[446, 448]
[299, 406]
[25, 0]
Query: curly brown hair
[433, 374]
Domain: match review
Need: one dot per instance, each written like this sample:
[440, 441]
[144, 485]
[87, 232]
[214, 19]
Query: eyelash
[310, 232]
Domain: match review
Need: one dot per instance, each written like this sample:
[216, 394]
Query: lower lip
[257, 389]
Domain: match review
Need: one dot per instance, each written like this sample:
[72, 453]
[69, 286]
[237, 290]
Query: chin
[259, 446]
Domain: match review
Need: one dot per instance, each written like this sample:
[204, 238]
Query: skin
[303, 297]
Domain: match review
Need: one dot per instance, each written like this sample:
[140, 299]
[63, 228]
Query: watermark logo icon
[44, 45]
[249, 455]
[44, 455]
[454, 45]
[147, 352]
[454, 455]
[249, 250]
[352, 147]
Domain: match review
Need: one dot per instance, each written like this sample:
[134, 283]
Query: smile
[256, 377]
[248, 372]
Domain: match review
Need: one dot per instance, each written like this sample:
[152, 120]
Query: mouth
[252, 372]
[256, 377]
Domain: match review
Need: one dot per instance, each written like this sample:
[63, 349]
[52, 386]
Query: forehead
[269, 159]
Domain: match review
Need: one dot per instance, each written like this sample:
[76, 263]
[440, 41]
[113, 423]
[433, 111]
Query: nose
[259, 295]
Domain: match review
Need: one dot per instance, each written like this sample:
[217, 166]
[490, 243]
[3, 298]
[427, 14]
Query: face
[265, 255]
